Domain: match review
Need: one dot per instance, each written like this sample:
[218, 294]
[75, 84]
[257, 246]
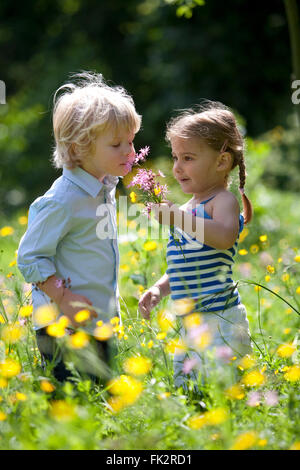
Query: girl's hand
[69, 311]
[149, 300]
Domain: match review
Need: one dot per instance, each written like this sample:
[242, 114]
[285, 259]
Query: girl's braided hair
[216, 125]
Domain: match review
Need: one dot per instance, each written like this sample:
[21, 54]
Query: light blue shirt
[63, 238]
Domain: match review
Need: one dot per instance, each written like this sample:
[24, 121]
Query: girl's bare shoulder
[225, 199]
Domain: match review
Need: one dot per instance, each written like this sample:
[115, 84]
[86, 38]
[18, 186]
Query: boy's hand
[70, 312]
[149, 300]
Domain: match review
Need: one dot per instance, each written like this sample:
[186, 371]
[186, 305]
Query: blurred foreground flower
[26, 311]
[286, 350]
[62, 411]
[58, 329]
[9, 368]
[212, 417]
[244, 441]
[253, 379]
[292, 373]
[6, 231]
[126, 391]
[78, 340]
[45, 315]
[47, 386]
[184, 306]
[12, 333]
[137, 365]
[103, 332]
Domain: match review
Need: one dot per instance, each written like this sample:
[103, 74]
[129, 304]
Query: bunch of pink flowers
[146, 181]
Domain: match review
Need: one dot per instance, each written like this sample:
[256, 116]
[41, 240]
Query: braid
[247, 206]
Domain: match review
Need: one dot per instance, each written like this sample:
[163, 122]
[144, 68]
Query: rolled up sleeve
[49, 222]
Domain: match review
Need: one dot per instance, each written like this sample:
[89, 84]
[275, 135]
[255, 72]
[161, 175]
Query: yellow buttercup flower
[133, 197]
[297, 259]
[295, 446]
[298, 290]
[47, 386]
[26, 311]
[6, 231]
[196, 421]
[166, 320]
[62, 410]
[243, 252]
[286, 350]
[267, 278]
[12, 333]
[161, 335]
[216, 416]
[45, 314]
[20, 396]
[3, 416]
[192, 320]
[150, 344]
[104, 332]
[254, 249]
[3, 382]
[235, 392]
[82, 315]
[157, 191]
[262, 442]
[285, 277]
[292, 374]
[244, 441]
[115, 320]
[263, 238]
[137, 365]
[58, 329]
[247, 361]
[184, 306]
[270, 269]
[23, 220]
[253, 379]
[78, 340]
[9, 368]
[127, 387]
[150, 246]
[175, 346]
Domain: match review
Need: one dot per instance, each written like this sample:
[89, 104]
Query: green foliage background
[228, 51]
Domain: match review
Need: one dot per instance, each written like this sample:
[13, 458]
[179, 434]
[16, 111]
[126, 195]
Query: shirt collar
[88, 182]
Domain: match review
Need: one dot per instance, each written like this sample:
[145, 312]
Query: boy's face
[113, 154]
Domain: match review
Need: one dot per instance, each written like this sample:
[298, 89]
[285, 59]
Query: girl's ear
[224, 161]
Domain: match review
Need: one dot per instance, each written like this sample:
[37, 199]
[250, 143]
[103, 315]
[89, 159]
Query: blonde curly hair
[82, 111]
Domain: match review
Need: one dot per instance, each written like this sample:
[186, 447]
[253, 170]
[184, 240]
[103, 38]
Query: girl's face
[195, 165]
[113, 154]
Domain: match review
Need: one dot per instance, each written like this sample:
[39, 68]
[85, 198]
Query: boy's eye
[116, 145]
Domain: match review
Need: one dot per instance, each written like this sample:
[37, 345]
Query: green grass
[78, 415]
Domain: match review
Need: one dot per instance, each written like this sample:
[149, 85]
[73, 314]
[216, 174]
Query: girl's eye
[188, 158]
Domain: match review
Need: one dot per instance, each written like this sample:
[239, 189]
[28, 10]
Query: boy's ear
[224, 161]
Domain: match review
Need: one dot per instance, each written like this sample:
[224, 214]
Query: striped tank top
[200, 272]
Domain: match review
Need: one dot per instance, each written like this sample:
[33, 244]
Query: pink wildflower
[254, 399]
[224, 352]
[188, 365]
[271, 398]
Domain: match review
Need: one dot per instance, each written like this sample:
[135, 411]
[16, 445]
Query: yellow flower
[133, 197]
[124, 268]
[62, 411]
[82, 316]
[297, 259]
[216, 416]
[127, 387]
[3, 382]
[150, 246]
[161, 335]
[12, 333]
[46, 386]
[243, 234]
[175, 346]
[9, 368]
[164, 395]
[243, 252]
[99, 323]
[253, 379]
[203, 340]
[244, 441]
[104, 332]
[257, 288]
[293, 373]
[157, 191]
[26, 311]
[20, 396]
[166, 320]
[45, 314]
[137, 365]
[286, 331]
[184, 306]
[5, 231]
[298, 290]
[58, 329]
[262, 442]
[267, 278]
[78, 340]
[247, 362]
[115, 321]
[270, 269]
[295, 446]
[192, 320]
[286, 350]
[254, 249]
[3, 416]
[23, 220]
[263, 238]
[196, 421]
[12, 263]
[150, 344]
[235, 392]
[285, 277]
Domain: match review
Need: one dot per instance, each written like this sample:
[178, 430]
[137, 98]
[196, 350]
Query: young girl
[206, 146]
[63, 254]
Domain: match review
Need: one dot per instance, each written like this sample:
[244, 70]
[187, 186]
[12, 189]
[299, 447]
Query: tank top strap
[209, 199]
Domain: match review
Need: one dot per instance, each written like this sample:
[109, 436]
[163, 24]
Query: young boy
[61, 252]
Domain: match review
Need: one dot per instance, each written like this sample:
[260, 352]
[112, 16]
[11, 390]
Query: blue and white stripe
[201, 272]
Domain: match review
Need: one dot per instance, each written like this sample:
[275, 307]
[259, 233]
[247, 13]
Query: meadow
[252, 402]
